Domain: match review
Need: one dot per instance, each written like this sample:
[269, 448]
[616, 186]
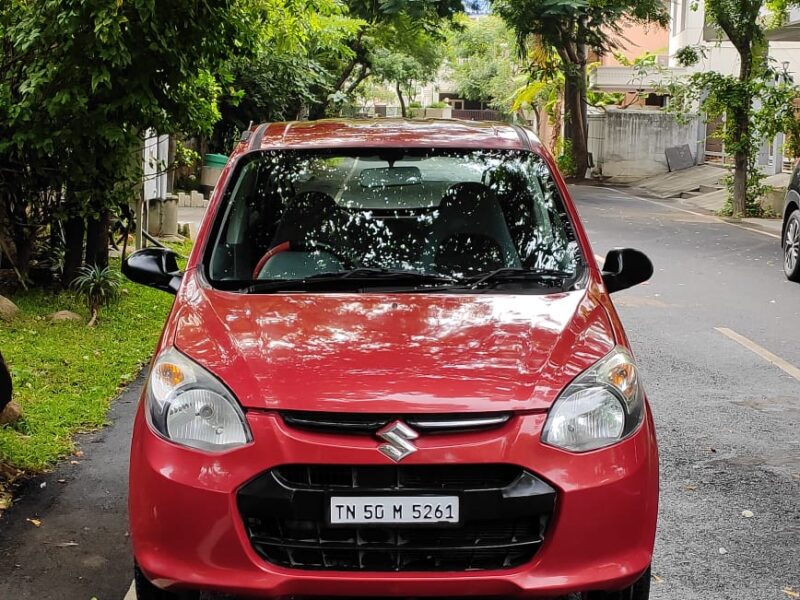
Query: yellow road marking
[784, 366]
[131, 595]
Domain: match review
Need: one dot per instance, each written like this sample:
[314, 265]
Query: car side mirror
[154, 267]
[625, 268]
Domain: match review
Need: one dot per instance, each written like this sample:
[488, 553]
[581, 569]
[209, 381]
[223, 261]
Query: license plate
[365, 510]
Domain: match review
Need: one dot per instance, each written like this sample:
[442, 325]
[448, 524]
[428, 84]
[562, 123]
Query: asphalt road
[705, 331]
[727, 418]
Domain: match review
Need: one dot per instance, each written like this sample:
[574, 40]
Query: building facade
[688, 28]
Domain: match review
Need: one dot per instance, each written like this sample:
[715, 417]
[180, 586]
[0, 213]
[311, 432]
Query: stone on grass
[10, 414]
[64, 315]
[8, 310]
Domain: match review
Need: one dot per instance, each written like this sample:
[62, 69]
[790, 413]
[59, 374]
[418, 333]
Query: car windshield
[435, 217]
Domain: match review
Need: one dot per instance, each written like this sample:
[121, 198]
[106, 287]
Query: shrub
[99, 287]
[566, 160]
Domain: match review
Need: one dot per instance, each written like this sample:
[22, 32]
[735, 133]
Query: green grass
[65, 374]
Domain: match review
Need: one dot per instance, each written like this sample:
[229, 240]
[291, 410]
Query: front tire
[791, 247]
[638, 591]
[147, 591]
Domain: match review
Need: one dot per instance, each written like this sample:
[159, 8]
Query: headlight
[188, 405]
[604, 405]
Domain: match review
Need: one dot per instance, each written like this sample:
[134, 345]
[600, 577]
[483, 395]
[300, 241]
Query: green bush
[565, 159]
[98, 287]
[66, 374]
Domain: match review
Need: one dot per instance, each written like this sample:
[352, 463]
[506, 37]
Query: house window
[655, 100]
[684, 15]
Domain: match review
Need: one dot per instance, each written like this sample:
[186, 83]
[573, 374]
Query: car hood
[395, 353]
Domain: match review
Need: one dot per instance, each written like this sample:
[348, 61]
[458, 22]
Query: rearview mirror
[625, 268]
[154, 267]
[391, 177]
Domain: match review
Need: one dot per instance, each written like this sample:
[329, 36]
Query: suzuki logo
[398, 436]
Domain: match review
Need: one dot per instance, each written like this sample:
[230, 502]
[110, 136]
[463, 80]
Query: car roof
[389, 133]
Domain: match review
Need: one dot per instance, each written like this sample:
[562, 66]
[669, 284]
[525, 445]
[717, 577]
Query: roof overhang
[625, 79]
[789, 32]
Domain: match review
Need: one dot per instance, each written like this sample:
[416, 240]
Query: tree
[287, 73]
[406, 55]
[573, 28]
[382, 23]
[755, 104]
[81, 81]
[484, 63]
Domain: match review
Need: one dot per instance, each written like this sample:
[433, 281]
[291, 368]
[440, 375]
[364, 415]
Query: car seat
[470, 234]
[310, 218]
[518, 204]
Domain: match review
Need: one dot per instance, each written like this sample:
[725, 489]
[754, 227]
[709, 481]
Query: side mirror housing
[154, 267]
[625, 268]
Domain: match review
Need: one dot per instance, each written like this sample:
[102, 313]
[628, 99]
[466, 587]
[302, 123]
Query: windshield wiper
[353, 278]
[550, 276]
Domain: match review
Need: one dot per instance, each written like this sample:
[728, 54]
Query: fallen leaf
[657, 579]
[791, 593]
[78, 453]
[65, 544]
[691, 488]
[74, 462]
[62, 481]
[748, 514]
[34, 522]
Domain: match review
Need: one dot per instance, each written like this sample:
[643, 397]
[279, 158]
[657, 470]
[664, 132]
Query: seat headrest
[308, 214]
[465, 196]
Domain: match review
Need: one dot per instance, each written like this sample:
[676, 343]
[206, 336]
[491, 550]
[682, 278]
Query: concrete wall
[631, 143]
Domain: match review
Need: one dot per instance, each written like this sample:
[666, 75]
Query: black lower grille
[397, 478]
[504, 511]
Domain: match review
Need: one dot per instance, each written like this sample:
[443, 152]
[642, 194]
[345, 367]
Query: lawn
[65, 374]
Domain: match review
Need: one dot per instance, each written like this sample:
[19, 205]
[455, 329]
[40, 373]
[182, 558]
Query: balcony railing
[478, 115]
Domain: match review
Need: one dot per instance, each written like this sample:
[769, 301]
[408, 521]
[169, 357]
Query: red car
[392, 369]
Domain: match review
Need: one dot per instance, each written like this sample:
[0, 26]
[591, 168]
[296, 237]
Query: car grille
[361, 423]
[504, 510]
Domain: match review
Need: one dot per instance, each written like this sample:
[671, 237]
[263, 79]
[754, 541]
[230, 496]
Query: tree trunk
[580, 138]
[18, 251]
[400, 98]
[97, 240]
[574, 97]
[362, 75]
[557, 124]
[320, 109]
[569, 93]
[740, 174]
[17, 238]
[740, 115]
[93, 321]
[74, 230]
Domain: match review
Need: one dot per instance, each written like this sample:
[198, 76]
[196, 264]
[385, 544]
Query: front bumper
[187, 531]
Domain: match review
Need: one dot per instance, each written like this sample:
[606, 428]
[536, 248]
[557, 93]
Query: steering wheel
[302, 247]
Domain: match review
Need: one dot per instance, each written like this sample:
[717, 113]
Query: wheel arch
[792, 204]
